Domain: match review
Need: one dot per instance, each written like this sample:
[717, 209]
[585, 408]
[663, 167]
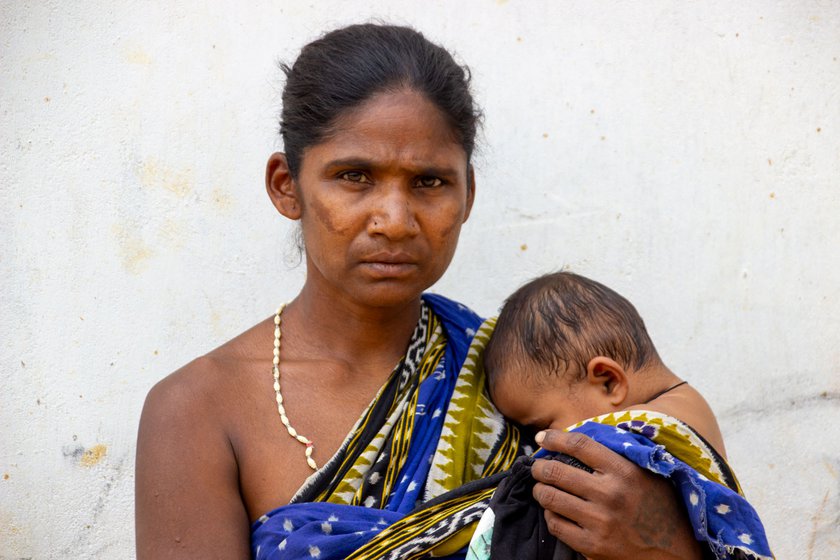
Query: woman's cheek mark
[325, 216]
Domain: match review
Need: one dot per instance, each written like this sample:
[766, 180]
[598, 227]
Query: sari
[720, 515]
[416, 472]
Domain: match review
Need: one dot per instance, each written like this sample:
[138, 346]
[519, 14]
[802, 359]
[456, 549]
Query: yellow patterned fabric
[720, 516]
[417, 470]
[473, 428]
[677, 437]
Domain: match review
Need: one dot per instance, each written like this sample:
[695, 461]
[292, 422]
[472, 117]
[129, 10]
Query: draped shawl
[416, 472]
[720, 515]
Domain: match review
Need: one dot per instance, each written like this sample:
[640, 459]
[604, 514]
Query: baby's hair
[561, 320]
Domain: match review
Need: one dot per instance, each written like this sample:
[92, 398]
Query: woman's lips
[389, 269]
[389, 265]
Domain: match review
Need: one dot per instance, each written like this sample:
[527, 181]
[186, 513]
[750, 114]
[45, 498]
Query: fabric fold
[411, 477]
[720, 515]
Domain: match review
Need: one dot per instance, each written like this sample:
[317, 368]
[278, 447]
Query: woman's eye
[355, 177]
[429, 182]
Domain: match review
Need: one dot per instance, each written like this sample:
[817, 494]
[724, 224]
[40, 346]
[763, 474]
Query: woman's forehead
[394, 105]
[402, 125]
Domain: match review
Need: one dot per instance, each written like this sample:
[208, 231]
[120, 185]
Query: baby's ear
[609, 379]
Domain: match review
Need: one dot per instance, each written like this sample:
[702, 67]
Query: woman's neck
[340, 329]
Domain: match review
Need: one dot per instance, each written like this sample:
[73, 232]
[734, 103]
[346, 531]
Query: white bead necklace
[279, 397]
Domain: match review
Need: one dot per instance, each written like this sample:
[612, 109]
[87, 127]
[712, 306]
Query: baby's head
[564, 349]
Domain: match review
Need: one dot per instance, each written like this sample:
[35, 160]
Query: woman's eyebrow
[363, 163]
[350, 162]
[437, 171]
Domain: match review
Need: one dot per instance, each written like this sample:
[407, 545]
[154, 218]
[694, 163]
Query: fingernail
[539, 437]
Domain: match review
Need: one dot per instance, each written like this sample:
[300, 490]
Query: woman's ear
[609, 379]
[470, 190]
[281, 187]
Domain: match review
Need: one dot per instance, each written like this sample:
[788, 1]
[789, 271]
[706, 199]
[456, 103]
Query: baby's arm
[688, 405]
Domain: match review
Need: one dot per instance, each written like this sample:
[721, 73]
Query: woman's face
[382, 201]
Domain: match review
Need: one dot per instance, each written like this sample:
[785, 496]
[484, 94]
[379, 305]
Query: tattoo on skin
[655, 525]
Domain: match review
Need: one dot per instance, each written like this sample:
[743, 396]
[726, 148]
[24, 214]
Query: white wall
[686, 154]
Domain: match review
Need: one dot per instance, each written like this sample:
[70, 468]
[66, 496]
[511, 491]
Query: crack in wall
[823, 398]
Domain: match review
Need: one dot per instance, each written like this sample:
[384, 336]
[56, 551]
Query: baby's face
[550, 403]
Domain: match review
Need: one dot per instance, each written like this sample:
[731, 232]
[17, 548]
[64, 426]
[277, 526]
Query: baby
[566, 348]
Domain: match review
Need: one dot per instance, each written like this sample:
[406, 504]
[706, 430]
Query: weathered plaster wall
[687, 155]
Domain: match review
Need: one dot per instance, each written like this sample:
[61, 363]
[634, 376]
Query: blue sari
[719, 513]
[416, 472]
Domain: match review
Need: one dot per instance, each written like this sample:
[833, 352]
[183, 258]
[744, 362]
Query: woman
[378, 127]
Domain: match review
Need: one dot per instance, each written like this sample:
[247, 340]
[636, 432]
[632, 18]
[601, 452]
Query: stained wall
[686, 155]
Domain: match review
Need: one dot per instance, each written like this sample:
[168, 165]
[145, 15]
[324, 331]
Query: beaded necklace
[275, 368]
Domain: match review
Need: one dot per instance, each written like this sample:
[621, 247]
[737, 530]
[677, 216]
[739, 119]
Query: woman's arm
[618, 511]
[187, 493]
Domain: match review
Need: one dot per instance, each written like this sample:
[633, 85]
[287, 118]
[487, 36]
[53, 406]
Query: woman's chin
[389, 293]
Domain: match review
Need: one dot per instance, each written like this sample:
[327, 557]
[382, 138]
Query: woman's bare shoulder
[207, 381]
[186, 459]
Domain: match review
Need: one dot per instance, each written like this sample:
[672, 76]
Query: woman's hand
[618, 511]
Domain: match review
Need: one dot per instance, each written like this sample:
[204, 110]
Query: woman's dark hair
[347, 66]
[562, 320]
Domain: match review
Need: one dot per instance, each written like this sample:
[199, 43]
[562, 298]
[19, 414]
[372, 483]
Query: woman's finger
[572, 480]
[585, 450]
[560, 502]
[568, 532]
[620, 510]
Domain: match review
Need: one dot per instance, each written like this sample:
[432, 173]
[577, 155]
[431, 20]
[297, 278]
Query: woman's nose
[393, 214]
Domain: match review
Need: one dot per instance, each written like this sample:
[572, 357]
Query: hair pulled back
[347, 66]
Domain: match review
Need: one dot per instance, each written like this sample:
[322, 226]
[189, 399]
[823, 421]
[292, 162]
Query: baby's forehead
[525, 376]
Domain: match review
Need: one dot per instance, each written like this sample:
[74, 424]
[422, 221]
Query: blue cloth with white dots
[320, 530]
[325, 530]
[720, 516]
